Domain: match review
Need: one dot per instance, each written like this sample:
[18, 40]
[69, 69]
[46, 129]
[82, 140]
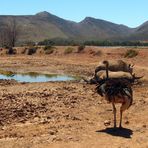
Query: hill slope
[44, 25]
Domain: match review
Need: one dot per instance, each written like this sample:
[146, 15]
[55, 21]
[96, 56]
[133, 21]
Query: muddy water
[34, 77]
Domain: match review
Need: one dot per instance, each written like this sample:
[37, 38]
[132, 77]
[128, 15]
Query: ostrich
[116, 90]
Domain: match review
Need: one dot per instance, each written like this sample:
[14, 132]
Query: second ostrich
[116, 90]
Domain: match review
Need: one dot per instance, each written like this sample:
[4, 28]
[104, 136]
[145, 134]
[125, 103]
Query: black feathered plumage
[114, 87]
[116, 91]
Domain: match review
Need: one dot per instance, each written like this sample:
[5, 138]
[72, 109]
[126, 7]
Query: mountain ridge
[44, 25]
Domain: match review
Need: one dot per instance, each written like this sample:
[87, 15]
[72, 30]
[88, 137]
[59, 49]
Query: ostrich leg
[120, 125]
[114, 111]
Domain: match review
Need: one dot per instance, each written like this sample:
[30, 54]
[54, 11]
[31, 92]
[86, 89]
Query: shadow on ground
[120, 132]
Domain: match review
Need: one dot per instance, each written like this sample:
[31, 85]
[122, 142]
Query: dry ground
[69, 114]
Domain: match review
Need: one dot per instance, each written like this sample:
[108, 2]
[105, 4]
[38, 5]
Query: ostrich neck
[107, 75]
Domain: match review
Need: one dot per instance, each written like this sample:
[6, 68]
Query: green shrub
[49, 49]
[81, 48]
[131, 53]
[7, 73]
[69, 50]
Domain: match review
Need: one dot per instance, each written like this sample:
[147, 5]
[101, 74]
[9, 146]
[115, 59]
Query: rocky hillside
[44, 25]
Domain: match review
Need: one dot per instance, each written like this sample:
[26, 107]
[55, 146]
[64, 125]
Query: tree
[9, 33]
[3, 37]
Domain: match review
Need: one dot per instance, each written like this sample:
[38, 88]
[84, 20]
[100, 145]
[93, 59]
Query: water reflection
[34, 77]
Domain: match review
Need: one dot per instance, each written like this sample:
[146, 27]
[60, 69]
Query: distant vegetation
[11, 51]
[82, 44]
[131, 53]
[81, 48]
[59, 42]
[117, 43]
[9, 33]
[31, 50]
[69, 50]
[49, 49]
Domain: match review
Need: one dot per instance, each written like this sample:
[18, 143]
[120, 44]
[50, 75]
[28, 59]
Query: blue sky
[128, 12]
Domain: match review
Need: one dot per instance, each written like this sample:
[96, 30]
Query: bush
[11, 51]
[48, 49]
[68, 50]
[31, 51]
[131, 53]
[81, 48]
[23, 50]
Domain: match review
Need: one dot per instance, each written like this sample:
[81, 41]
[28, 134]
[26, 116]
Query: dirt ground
[69, 114]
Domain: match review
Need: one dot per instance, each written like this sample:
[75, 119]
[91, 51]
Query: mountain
[140, 33]
[92, 28]
[45, 25]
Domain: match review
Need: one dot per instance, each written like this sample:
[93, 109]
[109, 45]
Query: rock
[3, 128]
[107, 122]
[44, 121]
[126, 122]
[53, 132]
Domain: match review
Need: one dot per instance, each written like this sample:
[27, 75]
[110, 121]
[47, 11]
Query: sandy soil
[69, 114]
